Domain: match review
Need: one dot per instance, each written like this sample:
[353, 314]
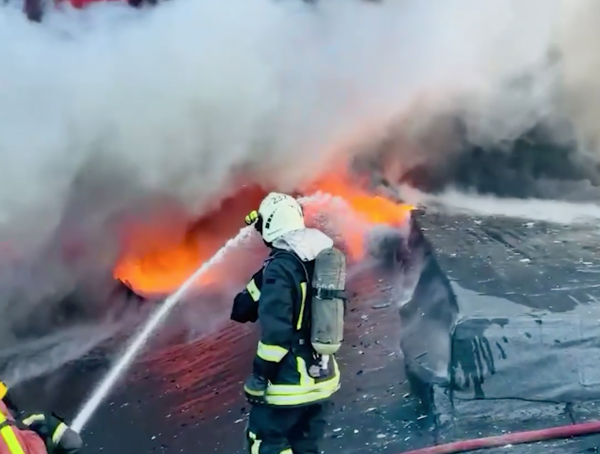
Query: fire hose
[514, 438]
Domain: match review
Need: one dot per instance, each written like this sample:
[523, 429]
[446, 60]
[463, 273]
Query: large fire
[162, 268]
[368, 209]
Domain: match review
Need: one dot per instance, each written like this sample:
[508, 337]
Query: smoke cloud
[113, 110]
[181, 99]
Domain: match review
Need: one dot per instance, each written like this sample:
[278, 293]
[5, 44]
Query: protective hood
[305, 243]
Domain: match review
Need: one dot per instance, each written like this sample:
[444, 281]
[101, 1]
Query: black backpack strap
[6, 422]
[13, 423]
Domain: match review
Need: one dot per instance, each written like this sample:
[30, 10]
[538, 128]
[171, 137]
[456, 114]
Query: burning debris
[162, 264]
[347, 210]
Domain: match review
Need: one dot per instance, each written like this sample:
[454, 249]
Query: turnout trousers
[285, 430]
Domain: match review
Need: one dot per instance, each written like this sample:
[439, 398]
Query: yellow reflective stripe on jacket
[307, 383]
[10, 438]
[253, 392]
[301, 399]
[253, 291]
[307, 391]
[3, 390]
[271, 353]
[33, 418]
[302, 304]
[59, 432]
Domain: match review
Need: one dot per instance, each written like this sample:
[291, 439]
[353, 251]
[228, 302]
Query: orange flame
[161, 270]
[368, 208]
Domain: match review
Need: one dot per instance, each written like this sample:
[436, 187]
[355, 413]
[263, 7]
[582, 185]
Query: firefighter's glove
[58, 436]
[255, 389]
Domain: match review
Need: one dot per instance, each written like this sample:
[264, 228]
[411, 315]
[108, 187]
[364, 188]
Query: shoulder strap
[14, 423]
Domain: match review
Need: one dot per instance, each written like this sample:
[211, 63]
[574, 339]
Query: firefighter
[33, 433]
[294, 372]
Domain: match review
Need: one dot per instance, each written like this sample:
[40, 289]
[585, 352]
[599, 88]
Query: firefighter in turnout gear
[33, 433]
[294, 371]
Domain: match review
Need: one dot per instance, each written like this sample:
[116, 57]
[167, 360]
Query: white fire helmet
[279, 214]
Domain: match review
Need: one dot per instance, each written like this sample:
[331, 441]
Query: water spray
[138, 342]
[157, 318]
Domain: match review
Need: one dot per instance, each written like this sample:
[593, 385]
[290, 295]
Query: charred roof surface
[519, 298]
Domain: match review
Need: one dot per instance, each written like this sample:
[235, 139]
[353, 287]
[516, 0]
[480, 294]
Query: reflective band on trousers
[271, 353]
[10, 438]
[253, 291]
[255, 445]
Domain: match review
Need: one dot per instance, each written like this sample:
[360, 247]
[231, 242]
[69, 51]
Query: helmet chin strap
[258, 225]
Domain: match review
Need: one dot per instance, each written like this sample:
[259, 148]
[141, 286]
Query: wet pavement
[523, 354]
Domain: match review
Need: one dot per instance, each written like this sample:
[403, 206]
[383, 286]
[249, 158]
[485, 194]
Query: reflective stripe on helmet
[279, 215]
[251, 218]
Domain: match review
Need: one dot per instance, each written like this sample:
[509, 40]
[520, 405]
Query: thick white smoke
[112, 109]
[103, 109]
[579, 33]
[183, 98]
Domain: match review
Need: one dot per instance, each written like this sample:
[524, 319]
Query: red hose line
[514, 438]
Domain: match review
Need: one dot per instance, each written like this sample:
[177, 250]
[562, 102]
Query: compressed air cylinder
[329, 281]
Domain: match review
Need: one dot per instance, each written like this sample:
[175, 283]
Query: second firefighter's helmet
[277, 215]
